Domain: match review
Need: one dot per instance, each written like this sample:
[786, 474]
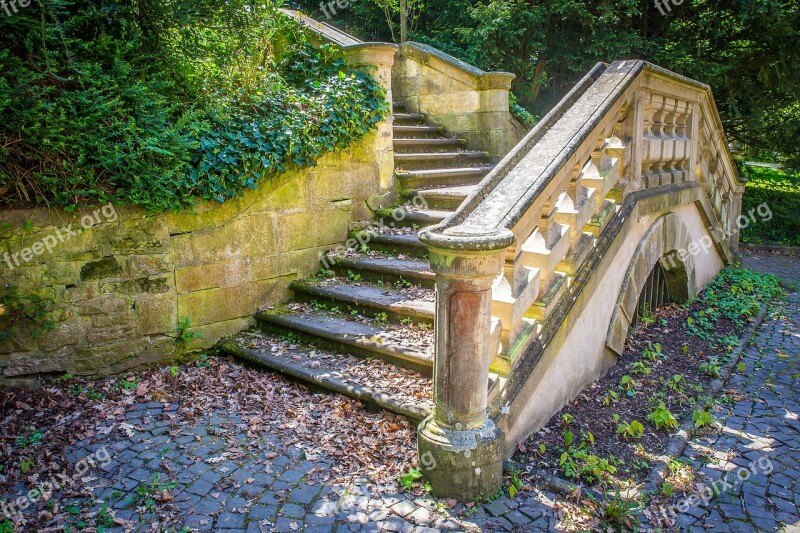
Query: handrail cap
[467, 239]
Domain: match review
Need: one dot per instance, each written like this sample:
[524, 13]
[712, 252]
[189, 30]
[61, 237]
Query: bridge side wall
[578, 354]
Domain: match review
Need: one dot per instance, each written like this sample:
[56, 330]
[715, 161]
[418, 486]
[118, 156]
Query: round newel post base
[465, 465]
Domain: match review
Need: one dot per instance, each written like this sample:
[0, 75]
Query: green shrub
[159, 103]
[781, 192]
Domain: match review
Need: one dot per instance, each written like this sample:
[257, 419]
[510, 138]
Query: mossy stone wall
[121, 286]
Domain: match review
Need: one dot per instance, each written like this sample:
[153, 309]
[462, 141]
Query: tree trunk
[403, 21]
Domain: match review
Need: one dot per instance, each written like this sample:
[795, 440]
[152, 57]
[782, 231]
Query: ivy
[157, 104]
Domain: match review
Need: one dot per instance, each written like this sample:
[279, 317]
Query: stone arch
[660, 244]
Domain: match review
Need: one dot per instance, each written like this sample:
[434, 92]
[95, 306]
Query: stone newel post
[460, 449]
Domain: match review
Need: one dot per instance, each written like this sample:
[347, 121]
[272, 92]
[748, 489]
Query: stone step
[428, 160]
[417, 131]
[397, 304]
[366, 340]
[414, 118]
[407, 244]
[375, 382]
[416, 145]
[421, 218]
[449, 198]
[442, 177]
[398, 107]
[387, 270]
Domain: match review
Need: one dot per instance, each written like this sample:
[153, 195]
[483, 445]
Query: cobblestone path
[251, 493]
[755, 462]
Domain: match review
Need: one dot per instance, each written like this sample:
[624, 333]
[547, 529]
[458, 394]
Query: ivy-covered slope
[157, 103]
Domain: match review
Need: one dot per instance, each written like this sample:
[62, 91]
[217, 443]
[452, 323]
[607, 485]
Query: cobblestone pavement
[755, 461]
[280, 489]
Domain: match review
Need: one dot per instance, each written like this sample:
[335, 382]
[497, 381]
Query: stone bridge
[624, 197]
[504, 282]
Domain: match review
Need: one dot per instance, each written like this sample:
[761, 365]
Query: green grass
[781, 192]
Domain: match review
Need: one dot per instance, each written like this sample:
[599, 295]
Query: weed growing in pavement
[617, 513]
[701, 419]
[147, 494]
[408, 479]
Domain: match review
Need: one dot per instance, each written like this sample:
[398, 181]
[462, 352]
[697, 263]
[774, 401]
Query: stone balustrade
[627, 133]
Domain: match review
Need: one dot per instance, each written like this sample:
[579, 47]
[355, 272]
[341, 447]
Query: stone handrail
[512, 249]
[463, 99]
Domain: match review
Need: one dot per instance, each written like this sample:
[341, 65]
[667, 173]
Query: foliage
[640, 368]
[34, 438]
[408, 479]
[710, 368]
[30, 312]
[780, 190]
[652, 351]
[745, 49]
[194, 99]
[148, 494]
[737, 294]
[618, 513]
[630, 431]
[628, 384]
[701, 419]
[183, 335]
[661, 418]
[520, 113]
[578, 462]
[392, 13]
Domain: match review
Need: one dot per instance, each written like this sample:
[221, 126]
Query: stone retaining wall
[468, 102]
[122, 285]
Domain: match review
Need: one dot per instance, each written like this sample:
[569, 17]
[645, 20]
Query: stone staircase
[364, 326]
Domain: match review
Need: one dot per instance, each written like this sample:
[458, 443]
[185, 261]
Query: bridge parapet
[626, 133]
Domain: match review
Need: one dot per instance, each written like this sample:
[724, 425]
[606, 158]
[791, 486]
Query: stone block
[310, 230]
[144, 266]
[136, 287]
[107, 267]
[103, 305]
[23, 364]
[65, 334]
[223, 273]
[222, 304]
[61, 273]
[101, 336]
[245, 236]
[156, 316]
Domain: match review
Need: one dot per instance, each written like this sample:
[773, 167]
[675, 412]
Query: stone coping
[327, 31]
[491, 208]
[427, 54]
